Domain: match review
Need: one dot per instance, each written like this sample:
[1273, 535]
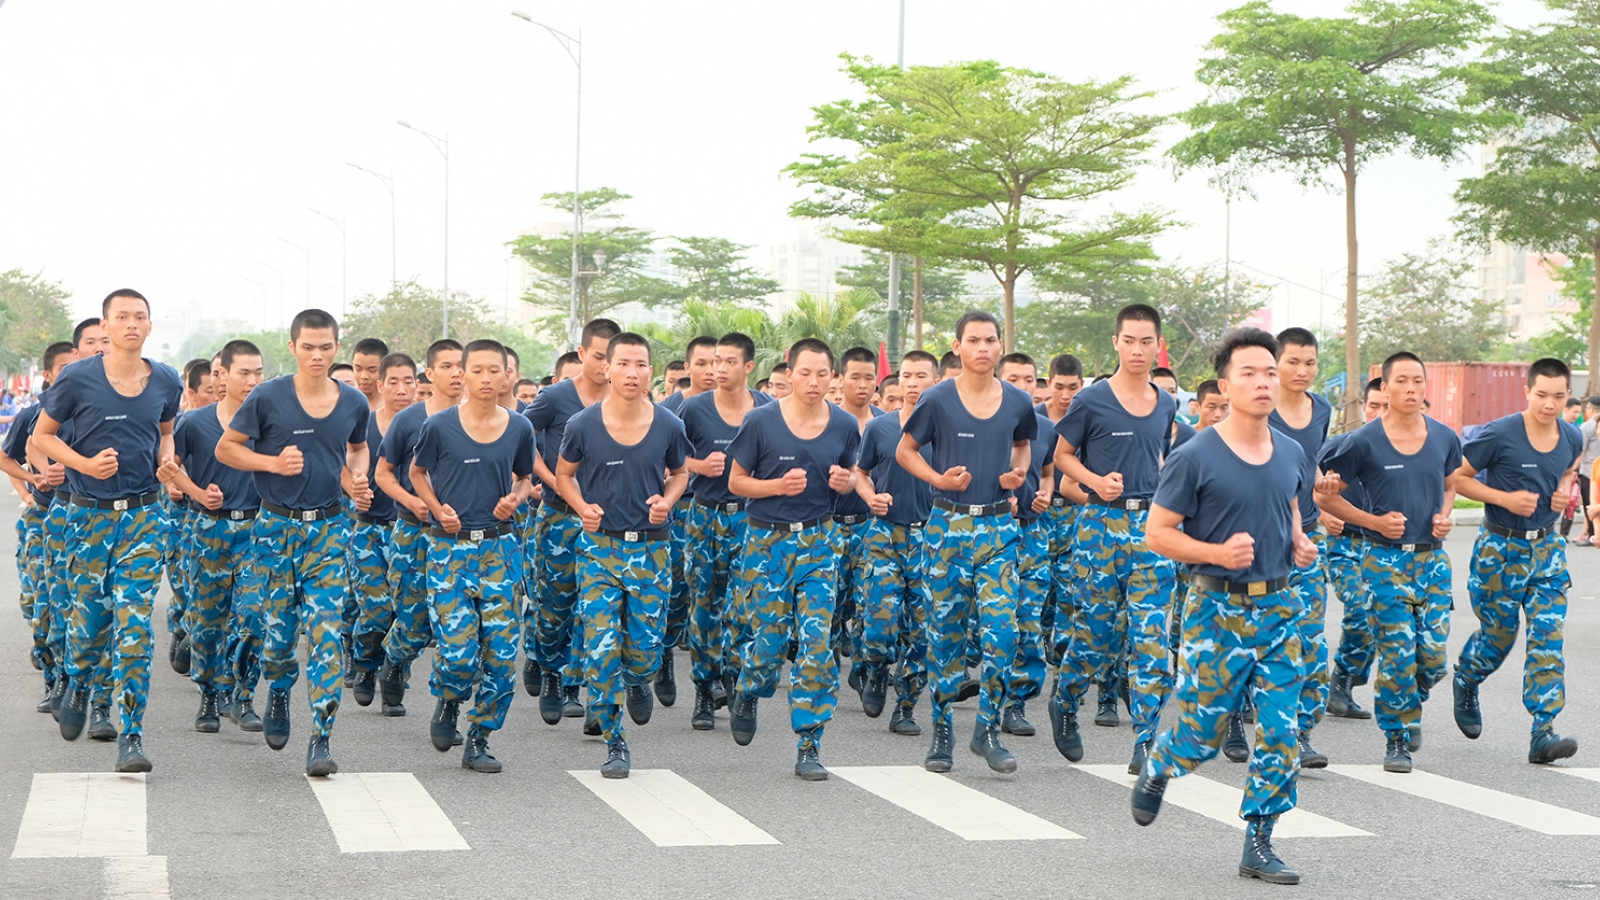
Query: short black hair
[1297, 336]
[567, 359]
[440, 346]
[234, 349]
[674, 365]
[888, 381]
[683, 383]
[973, 316]
[393, 360]
[763, 383]
[747, 346]
[919, 356]
[340, 367]
[1100, 378]
[1138, 312]
[105, 305]
[484, 345]
[512, 356]
[858, 354]
[1571, 401]
[194, 372]
[1066, 365]
[524, 382]
[632, 339]
[598, 328]
[1595, 400]
[704, 340]
[1552, 368]
[1375, 384]
[780, 367]
[811, 345]
[371, 347]
[1402, 356]
[54, 352]
[85, 325]
[312, 318]
[1206, 389]
[1018, 359]
[422, 378]
[948, 362]
[547, 381]
[1238, 339]
[1163, 372]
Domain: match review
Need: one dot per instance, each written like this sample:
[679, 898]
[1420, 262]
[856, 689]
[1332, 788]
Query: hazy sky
[169, 145]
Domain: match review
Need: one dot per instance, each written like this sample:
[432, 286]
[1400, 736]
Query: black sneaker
[392, 683]
[1396, 755]
[1141, 752]
[130, 754]
[319, 758]
[181, 653]
[742, 719]
[1064, 729]
[1469, 718]
[1013, 721]
[571, 706]
[1147, 794]
[901, 722]
[243, 714]
[100, 727]
[477, 757]
[74, 711]
[618, 760]
[208, 720]
[532, 680]
[365, 686]
[1547, 747]
[1105, 713]
[875, 690]
[1414, 737]
[719, 694]
[808, 763]
[1260, 860]
[986, 743]
[1235, 745]
[442, 730]
[666, 681]
[550, 702]
[967, 689]
[940, 757]
[275, 724]
[44, 705]
[591, 721]
[704, 717]
[1341, 702]
[58, 692]
[1309, 757]
[640, 703]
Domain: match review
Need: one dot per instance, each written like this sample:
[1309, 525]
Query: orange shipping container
[1472, 393]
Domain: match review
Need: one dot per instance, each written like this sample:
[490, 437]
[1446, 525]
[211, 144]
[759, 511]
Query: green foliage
[1569, 340]
[33, 315]
[408, 320]
[1424, 303]
[983, 166]
[945, 295]
[713, 271]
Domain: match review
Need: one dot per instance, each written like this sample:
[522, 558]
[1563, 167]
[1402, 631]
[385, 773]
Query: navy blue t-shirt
[850, 503]
[1509, 462]
[103, 418]
[1310, 438]
[913, 497]
[767, 449]
[468, 476]
[1353, 491]
[549, 413]
[674, 402]
[958, 438]
[273, 417]
[15, 445]
[709, 433]
[1109, 439]
[1044, 445]
[195, 439]
[619, 478]
[1413, 485]
[382, 504]
[1182, 433]
[400, 443]
[1219, 495]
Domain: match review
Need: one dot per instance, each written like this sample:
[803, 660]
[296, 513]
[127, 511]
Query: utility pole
[894, 258]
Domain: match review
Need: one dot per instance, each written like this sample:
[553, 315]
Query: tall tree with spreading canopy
[945, 295]
[982, 165]
[1543, 188]
[407, 319]
[33, 315]
[1311, 96]
[714, 271]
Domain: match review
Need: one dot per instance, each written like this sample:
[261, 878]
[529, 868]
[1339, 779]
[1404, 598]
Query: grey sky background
[167, 146]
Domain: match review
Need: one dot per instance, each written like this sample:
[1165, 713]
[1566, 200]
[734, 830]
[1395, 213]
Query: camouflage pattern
[716, 542]
[846, 606]
[177, 559]
[1025, 676]
[472, 605]
[55, 587]
[304, 589]
[1064, 578]
[114, 570]
[1411, 612]
[677, 623]
[32, 570]
[243, 651]
[1354, 656]
[1310, 587]
[527, 550]
[223, 557]
[624, 587]
[971, 578]
[369, 583]
[1511, 576]
[555, 637]
[793, 596]
[1232, 644]
[408, 585]
[894, 604]
[1121, 572]
[350, 608]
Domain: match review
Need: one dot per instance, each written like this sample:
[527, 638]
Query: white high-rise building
[808, 262]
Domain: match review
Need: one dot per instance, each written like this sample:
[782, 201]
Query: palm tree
[847, 319]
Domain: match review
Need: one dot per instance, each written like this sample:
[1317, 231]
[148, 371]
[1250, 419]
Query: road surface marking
[83, 814]
[384, 812]
[671, 811]
[1219, 801]
[968, 814]
[1531, 814]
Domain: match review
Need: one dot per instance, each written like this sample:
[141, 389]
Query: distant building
[808, 262]
[1523, 284]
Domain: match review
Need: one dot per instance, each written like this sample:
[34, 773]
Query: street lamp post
[893, 346]
[574, 48]
[344, 259]
[388, 182]
[307, 253]
[441, 144]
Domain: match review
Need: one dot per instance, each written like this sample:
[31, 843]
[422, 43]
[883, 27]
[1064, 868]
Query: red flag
[1161, 356]
[883, 361]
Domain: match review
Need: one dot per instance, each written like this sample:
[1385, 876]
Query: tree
[1543, 188]
[699, 318]
[1314, 95]
[1423, 302]
[847, 319]
[986, 166]
[33, 315]
[1569, 341]
[620, 281]
[945, 294]
[1198, 307]
[407, 319]
[714, 271]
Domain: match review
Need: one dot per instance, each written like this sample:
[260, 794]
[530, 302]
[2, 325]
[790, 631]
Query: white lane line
[671, 811]
[1219, 801]
[83, 814]
[384, 812]
[137, 878]
[968, 814]
[1531, 814]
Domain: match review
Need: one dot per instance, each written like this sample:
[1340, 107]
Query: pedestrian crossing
[1220, 802]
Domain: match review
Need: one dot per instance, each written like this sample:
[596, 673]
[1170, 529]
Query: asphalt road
[232, 818]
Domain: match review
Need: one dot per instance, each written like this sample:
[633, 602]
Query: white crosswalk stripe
[137, 878]
[83, 814]
[384, 812]
[1531, 814]
[967, 813]
[671, 811]
[1218, 801]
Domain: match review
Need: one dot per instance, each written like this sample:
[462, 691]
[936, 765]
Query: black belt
[405, 515]
[790, 527]
[1529, 535]
[1240, 588]
[729, 508]
[367, 519]
[1421, 547]
[1058, 502]
[60, 496]
[553, 500]
[120, 505]
[232, 515]
[993, 509]
[850, 520]
[473, 534]
[637, 537]
[688, 497]
[304, 515]
[1129, 505]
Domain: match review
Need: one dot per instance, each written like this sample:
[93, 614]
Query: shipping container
[1461, 394]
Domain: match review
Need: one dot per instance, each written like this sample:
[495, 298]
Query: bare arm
[232, 453]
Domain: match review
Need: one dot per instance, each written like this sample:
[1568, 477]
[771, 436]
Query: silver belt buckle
[632, 535]
[308, 515]
[1530, 535]
[119, 505]
[1409, 548]
[730, 508]
[794, 527]
[476, 535]
[236, 514]
[1132, 505]
[974, 510]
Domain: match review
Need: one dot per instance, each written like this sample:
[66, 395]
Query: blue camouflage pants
[555, 641]
[1064, 580]
[716, 543]
[472, 605]
[527, 549]
[305, 587]
[1310, 587]
[408, 585]
[1411, 611]
[678, 605]
[1514, 577]
[178, 560]
[222, 554]
[1025, 675]
[793, 597]
[31, 578]
[243, 651]
[1232, 645]
[369, 584]
[972, 578]
[894, 604]
[1122, 574]
[846, 608]
[624, 587]
[114, 566]
[1356, 639]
